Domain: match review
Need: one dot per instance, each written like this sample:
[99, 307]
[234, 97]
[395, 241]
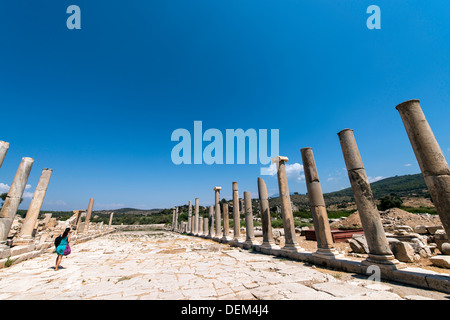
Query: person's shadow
[60, 267]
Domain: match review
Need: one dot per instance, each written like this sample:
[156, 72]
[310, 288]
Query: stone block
[403, 251]
[442, 261]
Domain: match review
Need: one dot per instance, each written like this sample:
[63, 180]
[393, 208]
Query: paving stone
[140, 266]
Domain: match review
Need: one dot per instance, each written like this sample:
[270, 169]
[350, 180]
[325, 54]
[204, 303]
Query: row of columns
[14, 196]
[431, 161]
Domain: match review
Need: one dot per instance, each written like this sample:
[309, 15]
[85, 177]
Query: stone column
[429, 155]
[206, 230]
[325, 243]
[173, 219]
[226, 223]
[189, 222]
[241, 204]
[211, 222]
[77, 223]
[217, 210]
[4, 146]
[249, 230]
[12, 200]
[379, 250]
[268, 242]
[196, 217]
[25, 235]
[88, 215]
[176, 219]
[291, 242]
[236, 213]
[110, 219]
[200, 226]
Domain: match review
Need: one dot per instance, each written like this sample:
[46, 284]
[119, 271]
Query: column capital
[278, 159]
[217, 188]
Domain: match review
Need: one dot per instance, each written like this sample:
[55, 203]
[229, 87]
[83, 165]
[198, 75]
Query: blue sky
[99, 105]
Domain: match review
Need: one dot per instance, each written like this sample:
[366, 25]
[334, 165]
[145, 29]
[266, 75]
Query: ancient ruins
[389, 250]
[387, 247]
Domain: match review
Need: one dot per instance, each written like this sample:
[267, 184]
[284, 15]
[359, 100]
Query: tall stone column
[173, 219]
[206, 229]
[429, 155]
[12, 200]
[211, 222]
[226, 223]
[268, 241]
[249, 230]
[236, 213]
[88, 215]
[110, 219]
[217, 210]
[4, 146]
[325, 243]
[176, 219]
[200, 226]
[189, 223]
[379, 250]
[291, 242]
[196, 217]
[25, 235]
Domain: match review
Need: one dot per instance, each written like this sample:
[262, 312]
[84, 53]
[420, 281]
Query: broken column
[110, 219]
[379, 250]
[189, 223]
[211, 222]
[325, 244]
[4, 146]
[226, 223]
[196, 217]
[268, 241]
[88, 215]
[291, 242]
[217, 210]
[429, 155]
[31, 217]
[236, 213]
[78, 220]
[249, 230]
[13, 198]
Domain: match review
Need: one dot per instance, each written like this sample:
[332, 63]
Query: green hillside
[407, 185]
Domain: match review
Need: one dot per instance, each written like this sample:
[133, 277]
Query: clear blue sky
[98, 105]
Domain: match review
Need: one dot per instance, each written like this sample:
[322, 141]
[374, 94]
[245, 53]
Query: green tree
[390, 201]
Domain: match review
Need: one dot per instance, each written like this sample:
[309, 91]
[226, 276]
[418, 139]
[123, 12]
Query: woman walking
[63, 247]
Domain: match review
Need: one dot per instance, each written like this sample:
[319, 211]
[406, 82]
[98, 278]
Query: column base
[327, 253]
[383, 261]
[248, 244]
[291, 247]
[269, 245]
[225, 239]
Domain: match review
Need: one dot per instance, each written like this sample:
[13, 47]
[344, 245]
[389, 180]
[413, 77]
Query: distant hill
[130, 211]
[406, 185]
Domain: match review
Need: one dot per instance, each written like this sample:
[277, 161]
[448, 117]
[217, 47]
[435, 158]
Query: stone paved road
[163, 265]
